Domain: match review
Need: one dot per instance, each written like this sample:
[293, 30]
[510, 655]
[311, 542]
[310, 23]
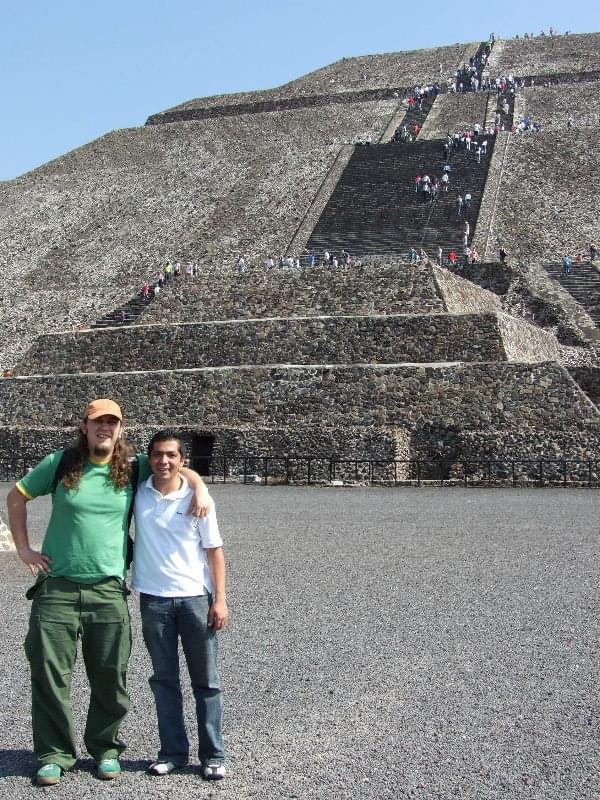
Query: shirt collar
[176, 495]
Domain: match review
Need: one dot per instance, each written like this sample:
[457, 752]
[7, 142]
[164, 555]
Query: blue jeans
[164, 620]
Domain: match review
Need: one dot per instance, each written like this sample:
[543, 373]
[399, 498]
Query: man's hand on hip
[37, 562]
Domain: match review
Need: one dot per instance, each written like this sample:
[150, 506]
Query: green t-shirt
[87, 533]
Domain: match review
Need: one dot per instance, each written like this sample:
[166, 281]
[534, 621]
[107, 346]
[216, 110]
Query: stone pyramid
[384, 359]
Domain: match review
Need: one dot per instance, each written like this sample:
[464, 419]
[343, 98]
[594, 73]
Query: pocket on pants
[41, 578]
[50, 643]
[105, 602]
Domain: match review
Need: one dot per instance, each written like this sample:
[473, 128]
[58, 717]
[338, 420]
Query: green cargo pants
[63, 611]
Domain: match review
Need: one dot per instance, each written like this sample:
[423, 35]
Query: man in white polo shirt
[179, 570]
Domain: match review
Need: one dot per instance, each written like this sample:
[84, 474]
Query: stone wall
[553, 106]
[454, 112]
[461, 296]
[491, 275]
[588, 378]
[545, 55]
[398, 288]
[547, 204]
[523, 342]
[313, 340]
[518, 409]
[81, 234]
[491, 108]
[369, 289]
[353, 74]
[484, 238]
[21, 448]
[317, 103]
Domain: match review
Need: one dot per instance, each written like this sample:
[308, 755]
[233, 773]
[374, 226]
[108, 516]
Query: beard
[103, 450]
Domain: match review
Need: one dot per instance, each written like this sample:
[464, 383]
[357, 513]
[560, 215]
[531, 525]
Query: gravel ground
[384, 643]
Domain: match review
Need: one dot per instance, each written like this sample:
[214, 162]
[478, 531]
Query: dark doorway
[202, 449]
[437, 446]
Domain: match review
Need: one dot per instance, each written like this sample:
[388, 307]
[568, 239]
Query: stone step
[374, 208]
[479, 408]
[375, 339]
[583, 283]
[130, 312]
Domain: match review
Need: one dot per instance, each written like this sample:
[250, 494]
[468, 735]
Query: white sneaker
[214, 771]
[162, 767]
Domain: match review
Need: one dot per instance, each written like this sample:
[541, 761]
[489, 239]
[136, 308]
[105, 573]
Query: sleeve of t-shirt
[208, 529]
[41, 478]
[144, 470]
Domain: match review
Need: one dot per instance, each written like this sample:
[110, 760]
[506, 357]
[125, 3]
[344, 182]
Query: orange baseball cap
[97, 408]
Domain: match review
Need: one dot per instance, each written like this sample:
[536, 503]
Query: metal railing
[274, 470]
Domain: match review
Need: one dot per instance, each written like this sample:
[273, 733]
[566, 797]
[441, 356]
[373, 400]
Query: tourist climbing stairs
[583, 283]
[374, 208]
[478, 59]
[414, 118]
[127, 314]
[506, 116]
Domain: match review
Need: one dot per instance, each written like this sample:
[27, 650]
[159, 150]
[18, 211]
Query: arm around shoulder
[202, 503]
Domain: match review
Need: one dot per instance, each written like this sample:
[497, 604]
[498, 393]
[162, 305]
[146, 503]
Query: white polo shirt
[168, 557]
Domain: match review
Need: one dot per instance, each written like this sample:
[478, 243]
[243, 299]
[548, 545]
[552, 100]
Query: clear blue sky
[73, 70]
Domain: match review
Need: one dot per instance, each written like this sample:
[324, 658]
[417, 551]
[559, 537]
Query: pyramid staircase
[414, 116]
[477, 62]
[583, 283]
[374, 208]
[435, 224]
[127, 314]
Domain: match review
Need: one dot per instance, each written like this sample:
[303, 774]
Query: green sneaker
[109, 768]
[48, 775]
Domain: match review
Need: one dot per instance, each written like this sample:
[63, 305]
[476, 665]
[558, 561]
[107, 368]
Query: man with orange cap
[80, 590]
